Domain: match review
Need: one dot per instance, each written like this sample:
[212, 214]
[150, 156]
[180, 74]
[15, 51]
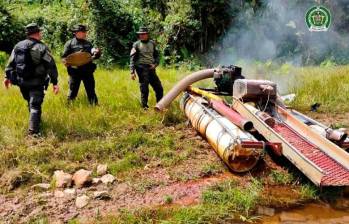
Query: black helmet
[32, 28]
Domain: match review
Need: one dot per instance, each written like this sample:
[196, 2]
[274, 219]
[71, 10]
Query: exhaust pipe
[226, 138]
[183, 85]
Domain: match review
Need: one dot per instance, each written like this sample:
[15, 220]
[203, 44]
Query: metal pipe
[223, 136]
[262, 115]
[217, 104]
[231, 115]
[182, 85]
[327, 132]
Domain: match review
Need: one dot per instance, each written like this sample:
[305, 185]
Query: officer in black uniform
[84, 72]
[31, 66]
[144, 58]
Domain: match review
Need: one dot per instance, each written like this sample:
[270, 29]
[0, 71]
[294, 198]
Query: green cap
[32, 28]
[143, 30]
[79, 27]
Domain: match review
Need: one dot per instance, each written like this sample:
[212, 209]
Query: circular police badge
[318, 18]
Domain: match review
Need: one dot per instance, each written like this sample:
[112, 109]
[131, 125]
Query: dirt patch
[22, 208]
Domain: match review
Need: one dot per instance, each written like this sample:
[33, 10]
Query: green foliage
[183, 29]
[44, 13]
[240, 199]
[279, 177]
[3, 59]
[11, 30]
[113, 29]
[168, 199]
[309, 192]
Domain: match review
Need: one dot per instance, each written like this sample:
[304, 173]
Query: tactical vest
[145, 52]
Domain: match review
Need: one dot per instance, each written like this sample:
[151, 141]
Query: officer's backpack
[23, 64]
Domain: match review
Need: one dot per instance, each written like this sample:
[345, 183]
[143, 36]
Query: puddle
[310, 214]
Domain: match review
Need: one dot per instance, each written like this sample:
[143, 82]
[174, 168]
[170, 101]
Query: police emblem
[318, 18]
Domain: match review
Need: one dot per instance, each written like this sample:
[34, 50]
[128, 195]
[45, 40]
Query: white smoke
[279, 34]
[269, 33]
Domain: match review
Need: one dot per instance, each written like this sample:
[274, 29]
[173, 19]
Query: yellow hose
[204, 93]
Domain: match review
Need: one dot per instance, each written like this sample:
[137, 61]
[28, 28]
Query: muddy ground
[149, 187]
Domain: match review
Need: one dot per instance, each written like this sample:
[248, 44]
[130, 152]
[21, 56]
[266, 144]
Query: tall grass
[117, 131]
[327, 86]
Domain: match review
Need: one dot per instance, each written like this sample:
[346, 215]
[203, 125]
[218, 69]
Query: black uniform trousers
[148, 76]
[35, 97]
[89, 83]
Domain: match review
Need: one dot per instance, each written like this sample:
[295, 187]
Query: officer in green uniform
[144, 58]
[31, 66]
[84, 72]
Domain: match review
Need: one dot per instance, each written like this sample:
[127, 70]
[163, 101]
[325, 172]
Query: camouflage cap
[143, 30]
[79, 27]
[32, 28]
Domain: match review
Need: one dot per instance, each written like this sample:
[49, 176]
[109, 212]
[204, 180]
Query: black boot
[34, 122]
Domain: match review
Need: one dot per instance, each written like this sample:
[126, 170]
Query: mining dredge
[242, 118]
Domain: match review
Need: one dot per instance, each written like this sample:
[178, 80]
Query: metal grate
[334, 173]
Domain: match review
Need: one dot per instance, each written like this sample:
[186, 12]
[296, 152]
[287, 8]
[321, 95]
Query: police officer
[31, 66]
[144, 58]
[84, 72]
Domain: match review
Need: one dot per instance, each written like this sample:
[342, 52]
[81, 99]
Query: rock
[292, 217]
[59, 194]
[96, 181]
[265, 211]
[12, 179]
[41, 187]
[102, 169]
[70, 192]
[62, 179]
[82, 201]
[82, 177]
[108, 179]
[101, 195]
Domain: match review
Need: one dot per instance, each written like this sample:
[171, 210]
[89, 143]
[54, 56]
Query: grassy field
[79, 134]
[118, 132]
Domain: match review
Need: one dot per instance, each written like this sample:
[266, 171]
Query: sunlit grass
[116, 131]
[327, 86]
